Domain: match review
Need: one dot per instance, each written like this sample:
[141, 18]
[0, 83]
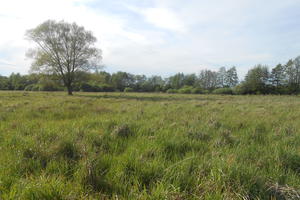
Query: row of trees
[282, 79]
[204, 82]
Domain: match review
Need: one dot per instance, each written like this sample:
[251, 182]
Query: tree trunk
[70, 90]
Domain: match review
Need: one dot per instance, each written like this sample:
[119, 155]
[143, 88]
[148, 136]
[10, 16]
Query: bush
[36, 87]
[86, 87]
[128, 89]
[185, 90]
[92, 87]
[29, 87]
[49, 87]
[106, 88]
[197, 91]
[223, 91]
[172, 91]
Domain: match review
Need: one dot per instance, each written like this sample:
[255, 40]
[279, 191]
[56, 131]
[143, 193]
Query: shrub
[35, 88]
[223, 91]
[128, 89]
[49, 86]
[172, 91]
[197, 91]
[106, 88]
[32, 87]
[86, 87]
[185, 90]
[29, 87]
[239, 89]
[92, 87]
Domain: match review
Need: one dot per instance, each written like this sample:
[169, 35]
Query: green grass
[148, 146]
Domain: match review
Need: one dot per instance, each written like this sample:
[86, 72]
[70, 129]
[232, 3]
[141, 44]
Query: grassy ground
[148, 146]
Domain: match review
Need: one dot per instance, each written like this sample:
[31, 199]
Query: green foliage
[30, 87]
[185, 90]
[49, 87]
[128, 89]
[256, 80]
[92, 87]
[240, 89]
[223, 91]
[4, 83]
[197, 91]
[172, 91]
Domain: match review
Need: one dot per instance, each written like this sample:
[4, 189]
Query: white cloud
[163, 18]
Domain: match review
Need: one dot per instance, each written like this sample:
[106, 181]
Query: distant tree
[290, 72]
[156, 83]
[33, 78]
[256, 80]
[222, 77]
[208, 80]
[190, 79]
[16, 82]
[101, 77]
[4, 83]
[297, 69]
[176, 81]
[140, 83]
[231, 77]
[121, 80]
[278, 76]
[63, 49]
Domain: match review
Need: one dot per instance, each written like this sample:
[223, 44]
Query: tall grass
[148, 146]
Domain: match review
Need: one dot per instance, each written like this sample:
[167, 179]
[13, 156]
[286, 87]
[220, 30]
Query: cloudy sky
[162, 36]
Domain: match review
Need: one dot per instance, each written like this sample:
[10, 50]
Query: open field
[148, 146]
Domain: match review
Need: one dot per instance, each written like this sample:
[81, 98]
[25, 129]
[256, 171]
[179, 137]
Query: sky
[162, 37]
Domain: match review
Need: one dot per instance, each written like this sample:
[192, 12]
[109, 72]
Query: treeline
[282, 79]
[205, 82]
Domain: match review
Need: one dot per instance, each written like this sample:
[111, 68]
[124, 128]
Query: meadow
[148, 146]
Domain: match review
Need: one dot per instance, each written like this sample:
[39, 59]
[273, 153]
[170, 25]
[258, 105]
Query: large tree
[63, 49]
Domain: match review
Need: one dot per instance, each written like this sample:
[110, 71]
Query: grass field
[148, 146]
